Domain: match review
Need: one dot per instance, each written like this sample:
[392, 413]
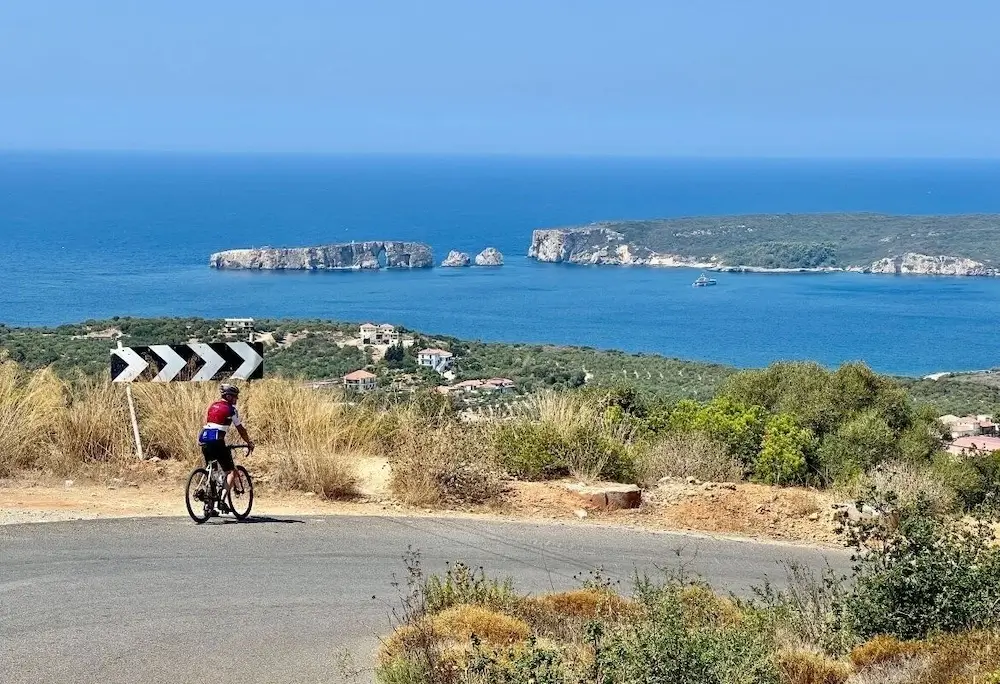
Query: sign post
[135, 420]
[192, 362]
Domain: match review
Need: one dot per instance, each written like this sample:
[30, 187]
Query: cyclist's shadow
[257, 519]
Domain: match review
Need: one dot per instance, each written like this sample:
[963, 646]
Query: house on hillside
[500, 385]
[969, 426]
[438, 360]
[383, 334]
[974, 445]
[360, 381]
[238, 327]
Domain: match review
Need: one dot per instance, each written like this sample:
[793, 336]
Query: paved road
[143, 600]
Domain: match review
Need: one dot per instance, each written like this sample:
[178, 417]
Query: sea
[88, 235]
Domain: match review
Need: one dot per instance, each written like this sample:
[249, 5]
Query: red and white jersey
[221, 416]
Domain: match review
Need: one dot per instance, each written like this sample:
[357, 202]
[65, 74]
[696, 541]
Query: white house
[360, 381]
[439, 360]
[384, 334]
[235, 327]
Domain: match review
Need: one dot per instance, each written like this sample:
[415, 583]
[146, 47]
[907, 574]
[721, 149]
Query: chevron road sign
[196, 361]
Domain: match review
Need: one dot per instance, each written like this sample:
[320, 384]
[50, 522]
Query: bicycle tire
[243, 490]
[189, 495]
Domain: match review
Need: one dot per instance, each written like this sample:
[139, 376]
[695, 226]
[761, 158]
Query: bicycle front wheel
[241, 494]
[198, 496]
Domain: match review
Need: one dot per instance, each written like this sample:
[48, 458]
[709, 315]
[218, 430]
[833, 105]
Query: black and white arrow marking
[196, 361]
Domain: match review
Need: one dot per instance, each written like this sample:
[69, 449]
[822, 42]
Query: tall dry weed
[443, 464]
[93, 427]
[170, 416]
[555, 433]
[688, 454]
[29, 408]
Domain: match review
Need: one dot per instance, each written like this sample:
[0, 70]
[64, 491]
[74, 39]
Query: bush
[688, 454]
[663, 648]
[857, 445]
[925, 576]
[739, 426]
[786, 447]
[908, 483]
[436, 466]
[556, 434]
[462, 584]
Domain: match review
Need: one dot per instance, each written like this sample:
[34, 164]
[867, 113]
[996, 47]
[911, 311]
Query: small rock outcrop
[489, 257]
[348, 256]
[608, 496]
[456, 258]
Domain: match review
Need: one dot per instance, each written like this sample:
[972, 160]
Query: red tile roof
[359, 375]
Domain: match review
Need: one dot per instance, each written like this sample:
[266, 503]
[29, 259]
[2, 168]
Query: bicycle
[205, 487]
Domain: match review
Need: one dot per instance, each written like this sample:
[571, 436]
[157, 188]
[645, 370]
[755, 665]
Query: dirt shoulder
[750, 511]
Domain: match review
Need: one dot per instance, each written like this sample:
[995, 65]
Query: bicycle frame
[214, 467]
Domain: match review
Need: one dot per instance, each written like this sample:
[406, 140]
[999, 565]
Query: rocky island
[347, 256]
[456, 259]
[869, 243]
[489, 257]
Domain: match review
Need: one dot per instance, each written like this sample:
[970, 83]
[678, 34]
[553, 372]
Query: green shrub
[786, 448]
[923, 576]
[529, 450]
[462, 584]
[663, 648]
[858, 444]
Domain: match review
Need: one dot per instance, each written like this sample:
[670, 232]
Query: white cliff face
[923, 264]
[489, 257]
[598, 246]
[456, 259]
[348, 256]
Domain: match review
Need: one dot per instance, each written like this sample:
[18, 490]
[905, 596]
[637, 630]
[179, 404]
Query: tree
[857, 445]
[785, 451]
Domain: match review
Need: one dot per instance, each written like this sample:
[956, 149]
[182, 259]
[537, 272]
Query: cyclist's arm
[246, 436]
[238, 424]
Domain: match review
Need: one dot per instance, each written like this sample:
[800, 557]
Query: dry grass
[454, 627]
[564, 615]
[883, 650]
[804, 667]
[30, 405]
[306, 439]
[94, 428]
[688, 455]
[909, 481]
[442, 465]
[702, 608]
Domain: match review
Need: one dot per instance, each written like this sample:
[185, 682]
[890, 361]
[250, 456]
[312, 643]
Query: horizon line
[290, 154]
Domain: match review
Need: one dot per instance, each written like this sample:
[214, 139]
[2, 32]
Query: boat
[704, 281]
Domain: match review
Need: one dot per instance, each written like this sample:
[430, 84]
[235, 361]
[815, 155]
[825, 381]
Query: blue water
[88, 236]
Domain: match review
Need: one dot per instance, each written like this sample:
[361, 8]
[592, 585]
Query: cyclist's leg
[229, 468]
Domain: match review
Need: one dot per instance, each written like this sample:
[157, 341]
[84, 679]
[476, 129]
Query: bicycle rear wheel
[241, 494]
[198, 495]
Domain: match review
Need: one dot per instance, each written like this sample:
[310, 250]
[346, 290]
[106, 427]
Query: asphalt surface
[163, 600]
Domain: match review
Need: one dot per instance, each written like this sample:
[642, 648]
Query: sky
[730, 78]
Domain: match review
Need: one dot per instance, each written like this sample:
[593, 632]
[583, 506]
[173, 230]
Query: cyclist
[221, 416]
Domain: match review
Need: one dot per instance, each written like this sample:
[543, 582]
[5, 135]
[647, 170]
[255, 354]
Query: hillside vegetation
[316, 350]
[811, 240]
